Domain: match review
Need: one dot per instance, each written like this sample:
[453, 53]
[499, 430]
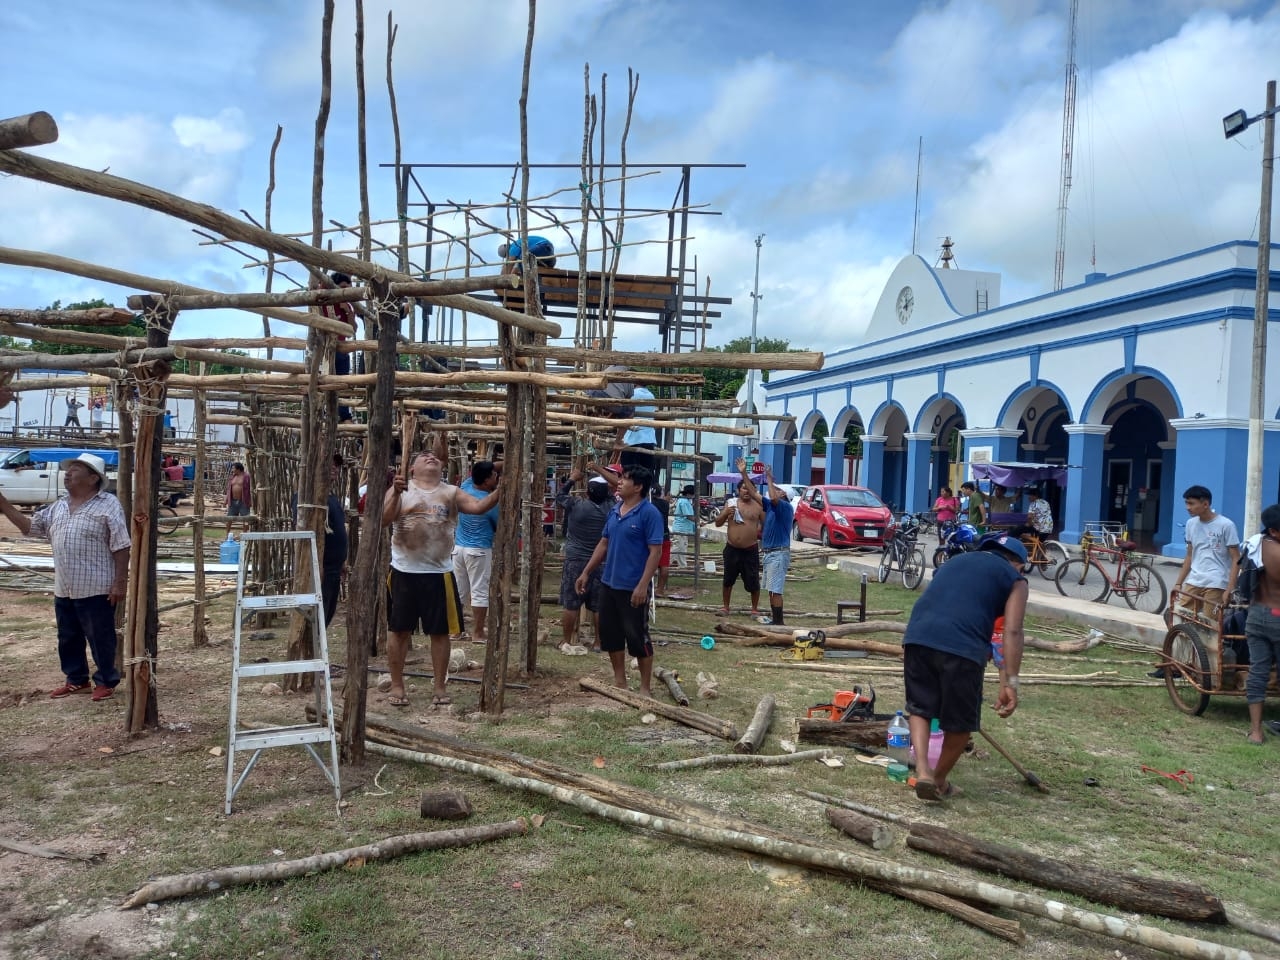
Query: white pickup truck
[30, 477]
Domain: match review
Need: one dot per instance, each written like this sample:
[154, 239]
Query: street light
[756, 296]
[1231, 125]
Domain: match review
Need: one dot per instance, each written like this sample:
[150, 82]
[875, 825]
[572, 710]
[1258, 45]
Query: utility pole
[751, 374]
[1068, 146]
[1261, 305]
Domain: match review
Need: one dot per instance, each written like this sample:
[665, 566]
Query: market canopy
[1014, 474]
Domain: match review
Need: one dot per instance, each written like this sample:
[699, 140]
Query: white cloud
[224, 133]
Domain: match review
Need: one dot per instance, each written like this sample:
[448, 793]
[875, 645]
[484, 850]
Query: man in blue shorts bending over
[630, 550]
[945, 651]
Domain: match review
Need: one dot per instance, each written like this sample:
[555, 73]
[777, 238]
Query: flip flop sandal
[398, 701]
[928, 790]
[441, 701]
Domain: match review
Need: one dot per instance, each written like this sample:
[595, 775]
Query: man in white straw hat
[90, 541]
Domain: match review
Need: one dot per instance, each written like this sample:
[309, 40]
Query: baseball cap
[1009, 544]
[94, 463]
[598, 480]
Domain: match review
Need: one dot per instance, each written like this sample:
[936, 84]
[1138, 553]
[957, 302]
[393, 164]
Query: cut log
[758, 728]
[874, 834]
[31, 130]
[208, 881]
[751, 759]
[1161, 898]
[672, 681]
[690, 718]
[444, 805]
[854, 733]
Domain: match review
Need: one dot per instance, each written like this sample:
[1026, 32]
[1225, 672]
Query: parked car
[840, 516]
[794, 491]
[31, 477]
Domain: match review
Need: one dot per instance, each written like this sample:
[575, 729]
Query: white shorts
[471, 566]
[775, 563]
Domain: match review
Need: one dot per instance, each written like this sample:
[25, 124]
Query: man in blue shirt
[946, 648]
[473, 547]
[775, 544]
[642, 439]
[630, 550]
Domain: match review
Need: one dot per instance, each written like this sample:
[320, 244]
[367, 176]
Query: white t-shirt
[422, 538]
[1209, 545]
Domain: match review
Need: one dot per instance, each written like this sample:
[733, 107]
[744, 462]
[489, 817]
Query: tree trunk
[1161, 898]
[872, 734]
[758, 728]
[690, 718]
[863, 829]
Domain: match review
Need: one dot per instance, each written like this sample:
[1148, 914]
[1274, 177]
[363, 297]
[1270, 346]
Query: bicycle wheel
[1143, 589]
[886, 563]
[167, 520]
[1082, 581]
[1055, 555]
[1186, 670]
[913, 569]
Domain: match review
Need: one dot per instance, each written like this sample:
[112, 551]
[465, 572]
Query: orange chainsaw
[847, 706]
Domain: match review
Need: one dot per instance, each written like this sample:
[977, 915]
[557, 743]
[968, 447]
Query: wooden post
[30, 130]
[368, 578]
[142, 621]
[199, 635]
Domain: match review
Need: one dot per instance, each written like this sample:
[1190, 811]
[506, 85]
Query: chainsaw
[847, 706]
[806, 645]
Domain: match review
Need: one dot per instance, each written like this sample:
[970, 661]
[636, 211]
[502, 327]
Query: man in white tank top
[423, 513]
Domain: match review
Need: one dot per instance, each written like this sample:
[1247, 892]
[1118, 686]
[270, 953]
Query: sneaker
[1274, 726]
[1157, 673]
[67, 689]
[102, 693]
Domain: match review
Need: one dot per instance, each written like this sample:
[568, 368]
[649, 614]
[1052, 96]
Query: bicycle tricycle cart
[1202, 657]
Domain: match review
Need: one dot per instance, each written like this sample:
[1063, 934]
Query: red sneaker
[67, 689]
[102, 693]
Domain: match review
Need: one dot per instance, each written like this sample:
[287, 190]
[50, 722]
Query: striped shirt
[83, 541]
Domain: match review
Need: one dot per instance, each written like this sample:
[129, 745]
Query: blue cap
[1009, 544]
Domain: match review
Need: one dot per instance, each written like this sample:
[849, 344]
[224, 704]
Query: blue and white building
[1139, 382]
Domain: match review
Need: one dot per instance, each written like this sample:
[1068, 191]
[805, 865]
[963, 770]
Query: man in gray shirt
[584, 522]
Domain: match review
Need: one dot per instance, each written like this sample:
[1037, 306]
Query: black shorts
[744, 562]
[622, 625]
[426, 600]
[570, 598]
[943, 685]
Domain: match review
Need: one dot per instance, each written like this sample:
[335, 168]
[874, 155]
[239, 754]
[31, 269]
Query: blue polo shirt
[958, 610]
[777, 523]
[629, 539]
[476, 531]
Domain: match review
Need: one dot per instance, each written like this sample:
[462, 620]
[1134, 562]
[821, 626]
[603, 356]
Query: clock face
[906, 300]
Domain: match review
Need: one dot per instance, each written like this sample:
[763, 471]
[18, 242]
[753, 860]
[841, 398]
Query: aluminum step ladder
[307, 735]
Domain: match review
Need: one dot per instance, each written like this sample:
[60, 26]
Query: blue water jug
[229, 551]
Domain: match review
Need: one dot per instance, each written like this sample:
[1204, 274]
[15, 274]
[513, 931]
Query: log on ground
[853, 733]
[672, 681]
[758, 728]
[724, 729]
[874, 834]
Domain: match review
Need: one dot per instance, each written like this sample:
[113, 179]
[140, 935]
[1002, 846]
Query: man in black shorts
[630, 550]
[745, 521]
[946, 647]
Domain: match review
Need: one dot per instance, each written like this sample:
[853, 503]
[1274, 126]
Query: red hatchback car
[842, 517]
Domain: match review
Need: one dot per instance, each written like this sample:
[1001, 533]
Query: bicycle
[900, 549]
[1134, 579]
[1047, 556]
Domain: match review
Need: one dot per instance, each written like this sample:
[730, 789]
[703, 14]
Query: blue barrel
[229, 551]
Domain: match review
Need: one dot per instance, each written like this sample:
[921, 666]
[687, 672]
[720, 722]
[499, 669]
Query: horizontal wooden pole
[29, 130]
[420, 289]
[93, 317]
[140, 194]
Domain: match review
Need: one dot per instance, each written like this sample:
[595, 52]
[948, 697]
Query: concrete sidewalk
[1113, 618]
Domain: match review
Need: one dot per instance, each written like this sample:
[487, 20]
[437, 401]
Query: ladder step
[282, 601]
[281, 667]
[281, 736]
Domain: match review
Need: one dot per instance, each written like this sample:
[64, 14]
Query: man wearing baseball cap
[90, 540]
[946, 647]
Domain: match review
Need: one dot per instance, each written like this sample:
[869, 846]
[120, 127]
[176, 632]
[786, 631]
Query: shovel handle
[1027, 775]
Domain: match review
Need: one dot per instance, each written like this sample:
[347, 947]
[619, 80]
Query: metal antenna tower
[1068, 141]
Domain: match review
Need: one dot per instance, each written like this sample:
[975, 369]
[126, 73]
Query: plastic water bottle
[899, 737]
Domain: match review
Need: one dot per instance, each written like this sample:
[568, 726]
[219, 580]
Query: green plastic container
[897, 772]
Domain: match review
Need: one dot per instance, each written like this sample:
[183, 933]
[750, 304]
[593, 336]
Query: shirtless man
[239, 494]
[742, 541]
[423, 514]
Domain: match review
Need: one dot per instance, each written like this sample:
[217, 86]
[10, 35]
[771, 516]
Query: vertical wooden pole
[199, 635]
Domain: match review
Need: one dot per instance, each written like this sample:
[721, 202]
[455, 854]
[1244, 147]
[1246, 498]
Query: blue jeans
[1263, 630]
[91, 619]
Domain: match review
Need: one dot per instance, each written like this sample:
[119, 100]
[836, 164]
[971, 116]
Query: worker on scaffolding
[512, 255]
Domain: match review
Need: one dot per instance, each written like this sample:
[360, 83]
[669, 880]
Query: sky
[825, 102]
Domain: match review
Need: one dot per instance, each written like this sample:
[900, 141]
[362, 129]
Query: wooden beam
[95, 317]
[420, 289]
[211, 218]
[30, 130]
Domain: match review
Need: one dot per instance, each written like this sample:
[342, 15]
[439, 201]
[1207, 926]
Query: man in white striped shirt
[90, 540]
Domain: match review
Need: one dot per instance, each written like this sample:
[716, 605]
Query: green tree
[135, 329]
[723, 383]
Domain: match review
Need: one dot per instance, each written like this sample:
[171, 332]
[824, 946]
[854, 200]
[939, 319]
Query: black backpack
[1248, 573]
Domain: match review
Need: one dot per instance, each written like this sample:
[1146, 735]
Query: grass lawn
[576, 886]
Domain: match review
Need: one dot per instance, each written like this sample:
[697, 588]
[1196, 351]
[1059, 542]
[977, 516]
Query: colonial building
[1138, 382]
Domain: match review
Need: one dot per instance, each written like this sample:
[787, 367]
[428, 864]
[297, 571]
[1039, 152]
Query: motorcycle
[954, 538]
